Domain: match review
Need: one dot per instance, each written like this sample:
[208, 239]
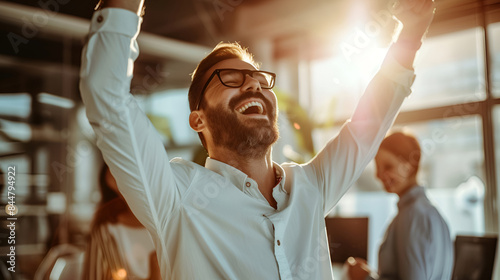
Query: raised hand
[415, 17]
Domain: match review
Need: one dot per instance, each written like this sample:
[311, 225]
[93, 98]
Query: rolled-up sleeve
[340, 163]
[129, 143]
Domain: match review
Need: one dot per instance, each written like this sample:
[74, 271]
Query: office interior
[324, 54]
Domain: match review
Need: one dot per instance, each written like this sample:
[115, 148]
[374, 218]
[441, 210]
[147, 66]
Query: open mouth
[251, 108]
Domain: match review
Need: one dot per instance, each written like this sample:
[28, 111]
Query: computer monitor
[474, 257]
[347, 236]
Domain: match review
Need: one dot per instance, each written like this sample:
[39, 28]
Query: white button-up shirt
[212, 222]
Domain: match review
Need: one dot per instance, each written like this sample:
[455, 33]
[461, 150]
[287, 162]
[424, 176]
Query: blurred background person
[417, 243]
[119, 246]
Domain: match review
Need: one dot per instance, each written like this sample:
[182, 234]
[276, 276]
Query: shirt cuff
[395, 72]
[116, 20]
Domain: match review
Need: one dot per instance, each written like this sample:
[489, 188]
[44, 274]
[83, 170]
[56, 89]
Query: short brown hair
[404, 146]
[222, 51]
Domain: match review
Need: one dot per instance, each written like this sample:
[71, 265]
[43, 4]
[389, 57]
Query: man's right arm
[129, 143]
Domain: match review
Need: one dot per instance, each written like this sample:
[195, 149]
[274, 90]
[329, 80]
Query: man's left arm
[414, 18]
[342, 160]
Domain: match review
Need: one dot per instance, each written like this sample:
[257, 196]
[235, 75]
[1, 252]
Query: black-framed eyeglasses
[235, 78]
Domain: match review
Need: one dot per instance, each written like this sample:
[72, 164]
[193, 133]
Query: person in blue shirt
[417, 243]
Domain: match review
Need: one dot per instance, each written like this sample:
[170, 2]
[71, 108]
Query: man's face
[241, 119]
[395, 173]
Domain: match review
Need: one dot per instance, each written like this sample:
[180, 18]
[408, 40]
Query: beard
[252, 138]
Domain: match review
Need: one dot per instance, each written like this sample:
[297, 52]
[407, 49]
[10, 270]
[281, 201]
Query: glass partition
[450, 70]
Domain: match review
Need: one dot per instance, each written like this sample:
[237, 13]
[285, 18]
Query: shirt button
[279, 243]
[248, 184]
[100, 18]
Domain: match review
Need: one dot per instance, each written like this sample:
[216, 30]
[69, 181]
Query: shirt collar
[410, 196]
[237, 177]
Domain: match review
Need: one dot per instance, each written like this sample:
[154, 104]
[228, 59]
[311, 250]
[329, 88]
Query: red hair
[404, 146]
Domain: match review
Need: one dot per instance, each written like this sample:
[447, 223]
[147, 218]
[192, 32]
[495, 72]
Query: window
[449, 69]
[169, 113]
[337, 83]
[494, 43]
[496, 126]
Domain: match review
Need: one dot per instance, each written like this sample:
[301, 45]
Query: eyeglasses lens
[236, 78]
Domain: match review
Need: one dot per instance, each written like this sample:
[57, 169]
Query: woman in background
[417, 243]
[119, 246]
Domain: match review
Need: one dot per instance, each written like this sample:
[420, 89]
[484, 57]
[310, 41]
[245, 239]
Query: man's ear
[196, 121]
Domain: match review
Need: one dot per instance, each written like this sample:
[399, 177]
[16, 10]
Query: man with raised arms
[241, 216]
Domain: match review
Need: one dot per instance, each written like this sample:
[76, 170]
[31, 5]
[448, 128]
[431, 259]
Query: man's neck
[260, 169]
[412, 182]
